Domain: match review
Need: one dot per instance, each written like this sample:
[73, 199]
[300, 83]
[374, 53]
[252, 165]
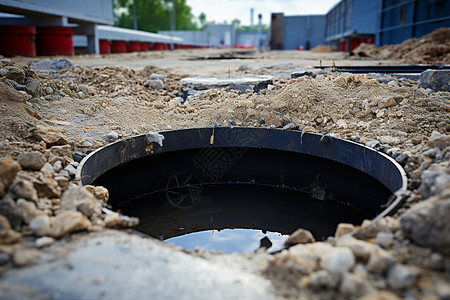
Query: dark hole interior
[197, 190]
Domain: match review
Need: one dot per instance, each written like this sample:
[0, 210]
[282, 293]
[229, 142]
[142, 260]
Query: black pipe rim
[303, 139]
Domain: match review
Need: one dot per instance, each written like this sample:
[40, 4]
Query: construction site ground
[52, 246]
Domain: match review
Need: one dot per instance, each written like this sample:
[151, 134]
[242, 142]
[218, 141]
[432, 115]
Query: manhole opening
[246, 188]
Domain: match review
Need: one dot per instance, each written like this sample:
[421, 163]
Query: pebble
[57, 166]
[436, 80]
[33, 87]
[353, 285]
[383, 79]
[99, 192]
[47, 186]
[51, 136]
[389, 140]
[338, 260]
[77, 156]
[62, 94]
[8, 171]
[79, 198]
[16, 73]
[41, 225]
[44, 241]
[261, 121]
[155, 76]
[80, 95]
[7, 235]
[343, 229]
[179, 100]
[24, 189]
[372, 144]
[369, 229]
[401, 277]
[21, 87]
[3, 72]
[31, 160]
[393, 83]
[342, 124]
[4, 258]
[112, 137]
[245, 68]
[28, 210]
[433, 153]
[289, 126]
[114, 219]
[385, 239]
[360, 249]
[154, 84]
[52, 65]
[63, 181]
[48, 90]
[428, 224]
[69, 221]
[402, 158]
[47, 168]
[439, 141]
[25, 257]
[322, 279]
[379, 261]
[300, 236]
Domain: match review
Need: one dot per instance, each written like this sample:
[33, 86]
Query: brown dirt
[433, 48]
[115, 98]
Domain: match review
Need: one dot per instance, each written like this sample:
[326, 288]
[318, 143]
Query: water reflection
[229, 240]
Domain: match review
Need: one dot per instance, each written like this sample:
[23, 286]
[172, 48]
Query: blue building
[351, 22]
[400, 20]
[293, 32]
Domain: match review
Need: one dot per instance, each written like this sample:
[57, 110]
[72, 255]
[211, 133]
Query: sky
[228, 10]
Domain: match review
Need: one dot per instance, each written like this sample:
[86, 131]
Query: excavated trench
[226, 189]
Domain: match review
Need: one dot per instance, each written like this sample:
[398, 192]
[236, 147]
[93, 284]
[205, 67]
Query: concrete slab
[118, 265]
[255, 82]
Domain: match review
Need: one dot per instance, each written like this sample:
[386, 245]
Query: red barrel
[133, 46]
[105, 47]
[118, 47]
[161, 46]
[145, 46]
[54, 41]
[17, 40]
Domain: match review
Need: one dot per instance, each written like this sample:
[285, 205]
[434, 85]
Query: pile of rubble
[433, 48]
[51, 121]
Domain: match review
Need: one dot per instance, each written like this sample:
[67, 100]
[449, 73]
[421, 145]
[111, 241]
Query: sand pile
[433, 48]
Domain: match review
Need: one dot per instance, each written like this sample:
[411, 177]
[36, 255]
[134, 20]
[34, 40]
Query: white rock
[385, 239]
[44, 241]
[342, 124]
[41, 225]
[401, 277]
[379, 261]
[338, 260]
[47, 168]
[71, 169]
[360, 249]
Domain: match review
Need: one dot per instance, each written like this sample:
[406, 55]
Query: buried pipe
[184, 181]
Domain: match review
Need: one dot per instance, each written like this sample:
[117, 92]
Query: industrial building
[297, 32]
[400, 20]
[351, 22]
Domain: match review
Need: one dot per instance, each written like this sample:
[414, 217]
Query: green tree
[153, 15]
[202, 19]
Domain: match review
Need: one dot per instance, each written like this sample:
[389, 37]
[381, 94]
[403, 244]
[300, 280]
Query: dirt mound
[323, 49]
[433, 48]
